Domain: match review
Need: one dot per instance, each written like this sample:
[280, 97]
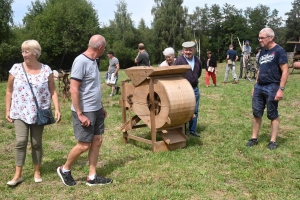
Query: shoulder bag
[44, 116]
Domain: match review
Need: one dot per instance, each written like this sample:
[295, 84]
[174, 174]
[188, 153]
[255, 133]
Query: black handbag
[44, 116]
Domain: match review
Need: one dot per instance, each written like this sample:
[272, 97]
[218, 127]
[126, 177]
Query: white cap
[188, 44]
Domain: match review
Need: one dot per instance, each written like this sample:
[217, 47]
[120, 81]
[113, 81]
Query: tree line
[63, 29]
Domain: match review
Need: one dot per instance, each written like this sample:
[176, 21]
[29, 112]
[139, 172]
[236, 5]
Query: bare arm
[117, 69]
[54, 96]
[9, 90]
[135, 60]
[284, 77]
[75, 96]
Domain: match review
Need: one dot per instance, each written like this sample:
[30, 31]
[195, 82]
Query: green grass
[216, 166]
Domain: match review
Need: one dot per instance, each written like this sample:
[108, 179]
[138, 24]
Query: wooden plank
[126, 126]
[172, 136]
[162, 146]
[170, 70]
[137, 138]
[140, 73]
[177, 145]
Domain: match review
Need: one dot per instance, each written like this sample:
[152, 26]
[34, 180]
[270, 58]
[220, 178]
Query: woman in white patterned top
[21, 108]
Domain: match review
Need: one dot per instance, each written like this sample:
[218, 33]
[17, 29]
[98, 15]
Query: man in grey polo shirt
[88, 113]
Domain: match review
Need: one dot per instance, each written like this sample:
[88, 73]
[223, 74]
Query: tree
[122, 25]
[216, 31]
[6, 49]
[276, 23]
[168, 25]
[121, 36]
[62, 28]
[293, 22]
[6, 18]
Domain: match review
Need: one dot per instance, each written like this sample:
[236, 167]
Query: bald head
[96, 41]
[268, 31]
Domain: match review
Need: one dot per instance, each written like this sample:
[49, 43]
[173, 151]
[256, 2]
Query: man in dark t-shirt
[269, 88]
[231, 57]
[142, 59]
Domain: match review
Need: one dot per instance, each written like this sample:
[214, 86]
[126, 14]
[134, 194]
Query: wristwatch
[282, 88]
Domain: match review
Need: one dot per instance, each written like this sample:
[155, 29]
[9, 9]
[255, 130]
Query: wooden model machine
[163, 99]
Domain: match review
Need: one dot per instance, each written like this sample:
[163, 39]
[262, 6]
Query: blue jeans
[193, 122]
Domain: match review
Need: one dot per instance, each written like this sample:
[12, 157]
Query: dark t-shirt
[232, 54]
[143, 59]
[269, 62]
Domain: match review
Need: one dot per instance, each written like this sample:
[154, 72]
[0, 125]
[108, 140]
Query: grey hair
[268, 31]
[33, 46]
[169, 51]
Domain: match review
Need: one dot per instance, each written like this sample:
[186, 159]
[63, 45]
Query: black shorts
[86, 134]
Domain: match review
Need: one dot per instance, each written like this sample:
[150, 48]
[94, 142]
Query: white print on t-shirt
[266, 58]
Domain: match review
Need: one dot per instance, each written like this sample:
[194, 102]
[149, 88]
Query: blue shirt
[191, 62]
[269, 62]
[232, 54]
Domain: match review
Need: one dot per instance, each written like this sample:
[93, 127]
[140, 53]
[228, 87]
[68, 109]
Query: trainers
[111, 95]
[98, 181]
[235, 82]
[117, 89]
[66, 177]
[272, 145]
[252, 142]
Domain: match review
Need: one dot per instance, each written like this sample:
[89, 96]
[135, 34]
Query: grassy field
[217, 165]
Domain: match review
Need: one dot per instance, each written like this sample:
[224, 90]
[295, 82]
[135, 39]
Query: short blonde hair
[33, 46]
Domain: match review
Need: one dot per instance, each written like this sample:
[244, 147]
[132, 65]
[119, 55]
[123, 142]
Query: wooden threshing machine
[163, 99]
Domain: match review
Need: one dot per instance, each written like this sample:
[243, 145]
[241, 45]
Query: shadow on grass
[266, 138]
[81, 164]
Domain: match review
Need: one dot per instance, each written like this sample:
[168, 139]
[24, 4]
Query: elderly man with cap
[246, 51]
[112, 73]
[169, 54]
[192, 75]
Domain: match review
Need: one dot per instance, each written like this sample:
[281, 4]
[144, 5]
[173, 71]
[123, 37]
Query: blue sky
[142, 8]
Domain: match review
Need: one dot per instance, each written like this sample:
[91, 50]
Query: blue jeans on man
[193, 122]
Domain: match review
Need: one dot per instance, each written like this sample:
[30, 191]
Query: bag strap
[36, 103]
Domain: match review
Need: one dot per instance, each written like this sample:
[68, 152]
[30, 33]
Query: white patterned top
[22, 104]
